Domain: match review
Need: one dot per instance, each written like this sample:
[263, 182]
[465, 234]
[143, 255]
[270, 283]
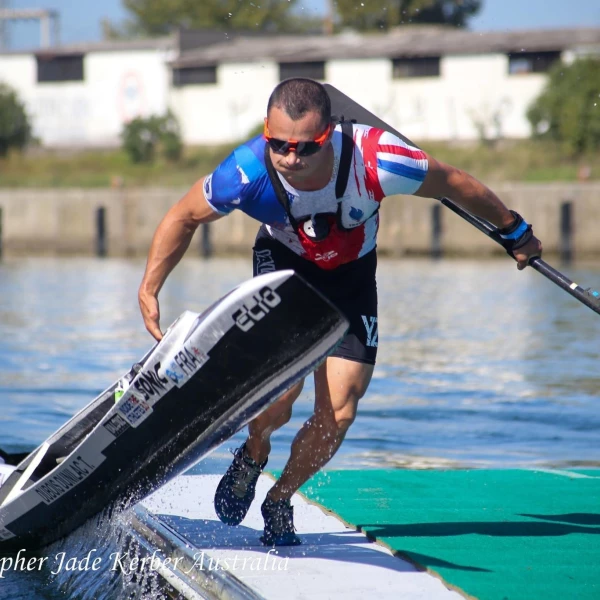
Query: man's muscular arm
[170, 242]
[445, 180]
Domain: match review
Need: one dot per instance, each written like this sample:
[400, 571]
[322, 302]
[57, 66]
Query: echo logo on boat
[253, 311]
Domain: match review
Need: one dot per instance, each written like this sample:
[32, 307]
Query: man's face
[310, 127]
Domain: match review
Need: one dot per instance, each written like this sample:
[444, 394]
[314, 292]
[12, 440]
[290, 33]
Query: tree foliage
[15, 130]
[385, 14]
[159, 17]
[568, 110]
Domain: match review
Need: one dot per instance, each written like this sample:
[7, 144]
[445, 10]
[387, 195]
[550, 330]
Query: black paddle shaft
[344, 106]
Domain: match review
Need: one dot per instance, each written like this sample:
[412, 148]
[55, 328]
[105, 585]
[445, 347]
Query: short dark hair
[299, 95]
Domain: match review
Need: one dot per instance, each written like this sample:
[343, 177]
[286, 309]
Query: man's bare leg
[260, 429]
[339, 385]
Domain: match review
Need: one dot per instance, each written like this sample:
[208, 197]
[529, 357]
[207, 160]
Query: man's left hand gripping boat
[208, 376]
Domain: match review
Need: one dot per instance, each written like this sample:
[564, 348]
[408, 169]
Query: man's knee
[340, 412]
[345, 413]
[345, 417]
[336, 422]
[292, 394]
[279, 413]
[284, 416]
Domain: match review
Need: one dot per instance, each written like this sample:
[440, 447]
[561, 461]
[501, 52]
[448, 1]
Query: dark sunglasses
[300, 148]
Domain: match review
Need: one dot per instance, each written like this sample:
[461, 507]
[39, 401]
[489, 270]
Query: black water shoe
[237, 487]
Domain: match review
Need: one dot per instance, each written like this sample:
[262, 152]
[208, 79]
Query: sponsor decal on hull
[67, 476]
[116, 425]
[185, 364]
[133, 408]
[159, 376]
[151, 384]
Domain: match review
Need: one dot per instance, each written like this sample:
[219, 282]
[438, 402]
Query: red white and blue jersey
[382, 165]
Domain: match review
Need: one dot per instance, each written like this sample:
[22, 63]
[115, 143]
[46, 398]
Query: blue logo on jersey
[356, 213]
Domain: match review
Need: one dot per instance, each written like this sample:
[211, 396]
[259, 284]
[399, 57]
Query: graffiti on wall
[132, 97]
[76, 118]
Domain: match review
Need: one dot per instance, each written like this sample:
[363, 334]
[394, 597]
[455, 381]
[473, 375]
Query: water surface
[479, 366]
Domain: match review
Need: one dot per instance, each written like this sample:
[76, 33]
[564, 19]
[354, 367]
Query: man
[316, 187]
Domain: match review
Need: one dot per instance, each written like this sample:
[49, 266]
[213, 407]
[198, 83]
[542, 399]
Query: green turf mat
[496, 535]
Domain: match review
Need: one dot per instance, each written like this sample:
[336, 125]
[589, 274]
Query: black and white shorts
[351, 287]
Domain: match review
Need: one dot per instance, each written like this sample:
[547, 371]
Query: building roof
[181, 40]
[161, 43]
[407, 41]
[206, 47]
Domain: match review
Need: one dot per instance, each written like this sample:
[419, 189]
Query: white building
[82, 95]
[431, 83]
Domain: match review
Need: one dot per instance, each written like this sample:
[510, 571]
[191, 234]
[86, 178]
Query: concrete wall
[64, 221]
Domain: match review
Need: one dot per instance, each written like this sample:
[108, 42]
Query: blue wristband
[517, 233]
